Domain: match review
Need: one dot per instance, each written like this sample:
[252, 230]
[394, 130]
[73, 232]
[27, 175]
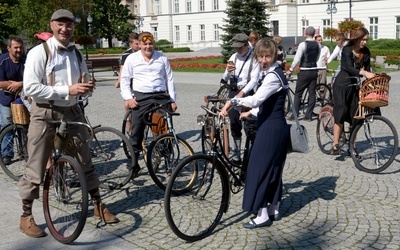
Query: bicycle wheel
[374, 144]
[223, 93]
[287, 103]
[323, 94]
[193, 215]
[148, 135]
[15, 136]
[65, 199]
[112, 165]
[164, 154]
[324, 130]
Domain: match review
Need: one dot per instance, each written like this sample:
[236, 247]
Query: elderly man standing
[55, 78]
[242, 71]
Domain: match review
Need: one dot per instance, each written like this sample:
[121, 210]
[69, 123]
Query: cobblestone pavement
[328, 204]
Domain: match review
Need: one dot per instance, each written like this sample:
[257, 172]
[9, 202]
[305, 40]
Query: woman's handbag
[298, 135]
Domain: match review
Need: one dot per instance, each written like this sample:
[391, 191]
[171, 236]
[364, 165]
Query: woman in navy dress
[263, 187]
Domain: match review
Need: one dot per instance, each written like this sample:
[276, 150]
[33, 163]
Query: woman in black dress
[263, 184]
[355, 62]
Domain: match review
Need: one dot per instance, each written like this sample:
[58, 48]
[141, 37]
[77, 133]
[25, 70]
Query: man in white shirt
[242, 71]
[307, 55]
[152, 83]
[55, 80]
[321, 63]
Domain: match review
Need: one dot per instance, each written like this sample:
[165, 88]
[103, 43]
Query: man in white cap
[242, 72]
[54, 80]
[307, 55]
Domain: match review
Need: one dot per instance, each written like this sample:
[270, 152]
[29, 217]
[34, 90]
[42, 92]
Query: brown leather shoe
[29, 227]
[100, 211]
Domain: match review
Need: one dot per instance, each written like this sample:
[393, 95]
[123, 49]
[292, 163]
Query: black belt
[55, 107]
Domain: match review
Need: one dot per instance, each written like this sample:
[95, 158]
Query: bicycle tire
[286, 106]
[223, 93]
[376, 141]
[148, 135]
[16, 167]
[109, 157]
[194, 214]
[324, 133]
[163, 157]
[65, 199]
[323, 95]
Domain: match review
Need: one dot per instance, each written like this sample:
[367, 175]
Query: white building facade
[196, 23]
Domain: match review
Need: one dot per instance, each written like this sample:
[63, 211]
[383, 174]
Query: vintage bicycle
[167, 149]
[194, 203]
[373, 139]
[65, 194]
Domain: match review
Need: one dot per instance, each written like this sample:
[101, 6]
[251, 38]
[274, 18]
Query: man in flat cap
[307, 55]
[55, 77]
[242, 73]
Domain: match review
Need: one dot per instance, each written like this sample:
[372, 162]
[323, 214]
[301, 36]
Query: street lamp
[139, 22]
[89, 20]
[331, 10]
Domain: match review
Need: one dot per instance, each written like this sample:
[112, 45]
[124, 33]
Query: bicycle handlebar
[159, 106]
[64, 124]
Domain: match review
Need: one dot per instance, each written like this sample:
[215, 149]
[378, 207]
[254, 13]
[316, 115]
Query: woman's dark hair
[355, 40]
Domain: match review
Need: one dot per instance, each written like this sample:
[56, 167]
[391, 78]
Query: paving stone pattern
[328, 203]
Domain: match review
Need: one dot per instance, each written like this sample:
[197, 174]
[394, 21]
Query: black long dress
[345, 93]
[268, 155]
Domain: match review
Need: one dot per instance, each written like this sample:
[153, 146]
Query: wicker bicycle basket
[20, 114]
[375, 91]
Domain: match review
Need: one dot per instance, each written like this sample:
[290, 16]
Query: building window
[189, 33]
[216, 32]
[398, 27]
[373, 27]
[304, 25]
[157, 9]
[177, 34]
[202, 6]
[154, 31]
[176, 6]
[275, 28]
[202, 32]
[215, 5]
[326, 24]
[304, 1]
[188, 6]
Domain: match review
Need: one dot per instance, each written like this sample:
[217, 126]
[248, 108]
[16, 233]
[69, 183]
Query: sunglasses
[147, 38]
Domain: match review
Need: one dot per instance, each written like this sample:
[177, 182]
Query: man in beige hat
[242, 73]
[55, 96]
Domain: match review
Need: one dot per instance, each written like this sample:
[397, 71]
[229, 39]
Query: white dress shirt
[243, 83]
[147, 77]
[270, 85]
[66, 69]
[301, 49]
[324, 53]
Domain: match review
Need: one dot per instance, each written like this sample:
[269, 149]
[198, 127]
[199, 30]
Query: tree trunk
[110, 42]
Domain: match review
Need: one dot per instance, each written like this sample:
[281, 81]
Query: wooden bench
[102, 65]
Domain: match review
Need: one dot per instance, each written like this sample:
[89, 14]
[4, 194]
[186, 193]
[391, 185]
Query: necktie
[69, 48]
[261, 79]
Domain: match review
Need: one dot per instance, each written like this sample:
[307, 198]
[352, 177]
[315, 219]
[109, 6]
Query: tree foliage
[28, 17]
[112, 19]
[243, 16]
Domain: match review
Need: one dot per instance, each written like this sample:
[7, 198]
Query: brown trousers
[38, 154]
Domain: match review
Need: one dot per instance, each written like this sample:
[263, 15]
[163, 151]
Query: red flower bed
[175, 62]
